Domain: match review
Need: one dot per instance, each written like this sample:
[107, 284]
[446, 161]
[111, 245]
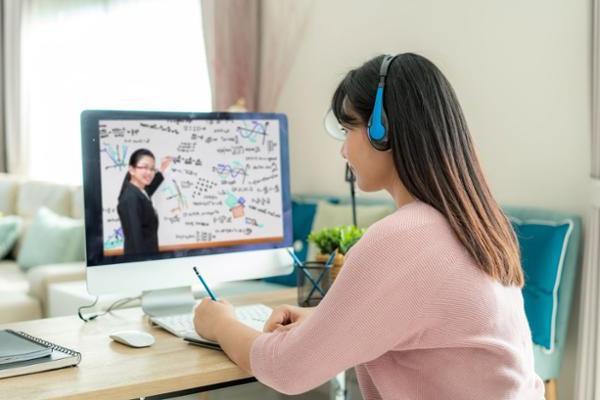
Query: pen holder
[314, 279]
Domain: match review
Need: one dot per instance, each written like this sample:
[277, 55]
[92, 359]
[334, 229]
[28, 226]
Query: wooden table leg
[551, 389]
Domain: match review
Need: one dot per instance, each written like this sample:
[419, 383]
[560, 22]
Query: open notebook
[47, 355]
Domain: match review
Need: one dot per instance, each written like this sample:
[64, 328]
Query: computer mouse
[133, 338]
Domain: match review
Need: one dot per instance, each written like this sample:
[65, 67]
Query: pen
[331, 258]
[210, 293]
[300, 265]
[327, 266]
[295, 258]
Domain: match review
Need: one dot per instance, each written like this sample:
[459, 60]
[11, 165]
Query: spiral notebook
[55, 357]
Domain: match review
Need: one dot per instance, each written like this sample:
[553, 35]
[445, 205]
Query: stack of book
[22, 354]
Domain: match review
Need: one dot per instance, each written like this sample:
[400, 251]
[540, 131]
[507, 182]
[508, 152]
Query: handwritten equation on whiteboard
[223, 186]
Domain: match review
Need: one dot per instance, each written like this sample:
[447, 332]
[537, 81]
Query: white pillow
[52, 239]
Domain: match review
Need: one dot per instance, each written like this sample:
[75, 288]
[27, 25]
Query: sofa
[23, 292]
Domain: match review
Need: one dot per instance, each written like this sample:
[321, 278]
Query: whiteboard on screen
[223, 186]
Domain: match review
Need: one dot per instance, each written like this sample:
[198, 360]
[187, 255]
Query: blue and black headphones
[377, 128]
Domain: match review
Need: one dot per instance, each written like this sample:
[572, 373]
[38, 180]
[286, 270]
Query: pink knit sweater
[417, 318]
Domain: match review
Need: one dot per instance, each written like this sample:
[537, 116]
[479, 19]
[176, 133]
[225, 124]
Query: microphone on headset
[351, 178]
[349, 174]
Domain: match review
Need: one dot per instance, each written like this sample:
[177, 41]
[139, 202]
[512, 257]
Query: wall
[520, 69]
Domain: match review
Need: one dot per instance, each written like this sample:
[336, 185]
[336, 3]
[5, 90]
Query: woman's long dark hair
[434, 155]
[133, 161]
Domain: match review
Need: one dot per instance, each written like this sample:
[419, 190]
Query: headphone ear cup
[382, 143]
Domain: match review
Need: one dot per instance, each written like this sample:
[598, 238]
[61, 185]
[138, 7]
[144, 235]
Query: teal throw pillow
[543, 248]
[52, 239]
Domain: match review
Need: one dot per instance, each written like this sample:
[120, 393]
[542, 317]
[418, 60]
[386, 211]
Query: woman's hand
[209, 315]
[286, 317]
[164, 164]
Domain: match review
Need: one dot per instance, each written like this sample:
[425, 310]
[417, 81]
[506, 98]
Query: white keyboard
[253, 315]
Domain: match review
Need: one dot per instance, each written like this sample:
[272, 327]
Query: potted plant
[328, 240]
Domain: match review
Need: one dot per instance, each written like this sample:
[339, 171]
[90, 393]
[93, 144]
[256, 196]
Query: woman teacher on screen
[138, 217]
[428, 304]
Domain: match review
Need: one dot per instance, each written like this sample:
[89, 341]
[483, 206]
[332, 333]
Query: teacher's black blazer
[138, 218]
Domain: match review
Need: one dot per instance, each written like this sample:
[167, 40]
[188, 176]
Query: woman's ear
[130, 171]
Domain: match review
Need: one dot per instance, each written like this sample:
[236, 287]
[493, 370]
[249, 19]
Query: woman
[138, 217]
[428, 304]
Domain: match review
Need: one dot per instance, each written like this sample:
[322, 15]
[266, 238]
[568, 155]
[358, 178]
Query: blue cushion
[543, 247]
[303, 215]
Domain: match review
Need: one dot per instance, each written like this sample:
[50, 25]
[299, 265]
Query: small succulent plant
[341, 238]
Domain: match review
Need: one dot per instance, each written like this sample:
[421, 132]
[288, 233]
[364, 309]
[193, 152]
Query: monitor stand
[159, 302]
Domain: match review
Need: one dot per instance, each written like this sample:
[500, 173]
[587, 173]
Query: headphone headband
[385, 65]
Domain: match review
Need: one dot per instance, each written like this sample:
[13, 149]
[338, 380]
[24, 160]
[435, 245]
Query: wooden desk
[109, 370]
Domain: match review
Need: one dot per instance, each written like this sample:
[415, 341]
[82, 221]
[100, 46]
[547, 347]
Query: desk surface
[109, 370]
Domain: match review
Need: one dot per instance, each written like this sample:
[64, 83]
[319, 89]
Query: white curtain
[15, 141]
[587, 385]
[104, 54]
[2, 93]
[283, 26]
[232, 41]
[251, 47]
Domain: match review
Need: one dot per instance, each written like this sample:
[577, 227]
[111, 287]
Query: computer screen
[163, 187]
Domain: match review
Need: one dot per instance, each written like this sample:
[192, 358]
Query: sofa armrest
[41, 277]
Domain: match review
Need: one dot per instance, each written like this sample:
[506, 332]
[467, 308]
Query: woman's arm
[286, 317]
[236, 341]
[215, 320]
[151, 188]
[373, 307]
[159, 177]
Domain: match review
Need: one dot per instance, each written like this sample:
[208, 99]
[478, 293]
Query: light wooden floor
[551, 389]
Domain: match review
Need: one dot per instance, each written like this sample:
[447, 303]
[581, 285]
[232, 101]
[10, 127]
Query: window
[127, 54]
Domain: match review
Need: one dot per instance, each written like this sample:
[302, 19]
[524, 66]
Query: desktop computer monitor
[222, 203]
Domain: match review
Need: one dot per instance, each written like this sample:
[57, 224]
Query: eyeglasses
[333, 127]
[146, 168]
